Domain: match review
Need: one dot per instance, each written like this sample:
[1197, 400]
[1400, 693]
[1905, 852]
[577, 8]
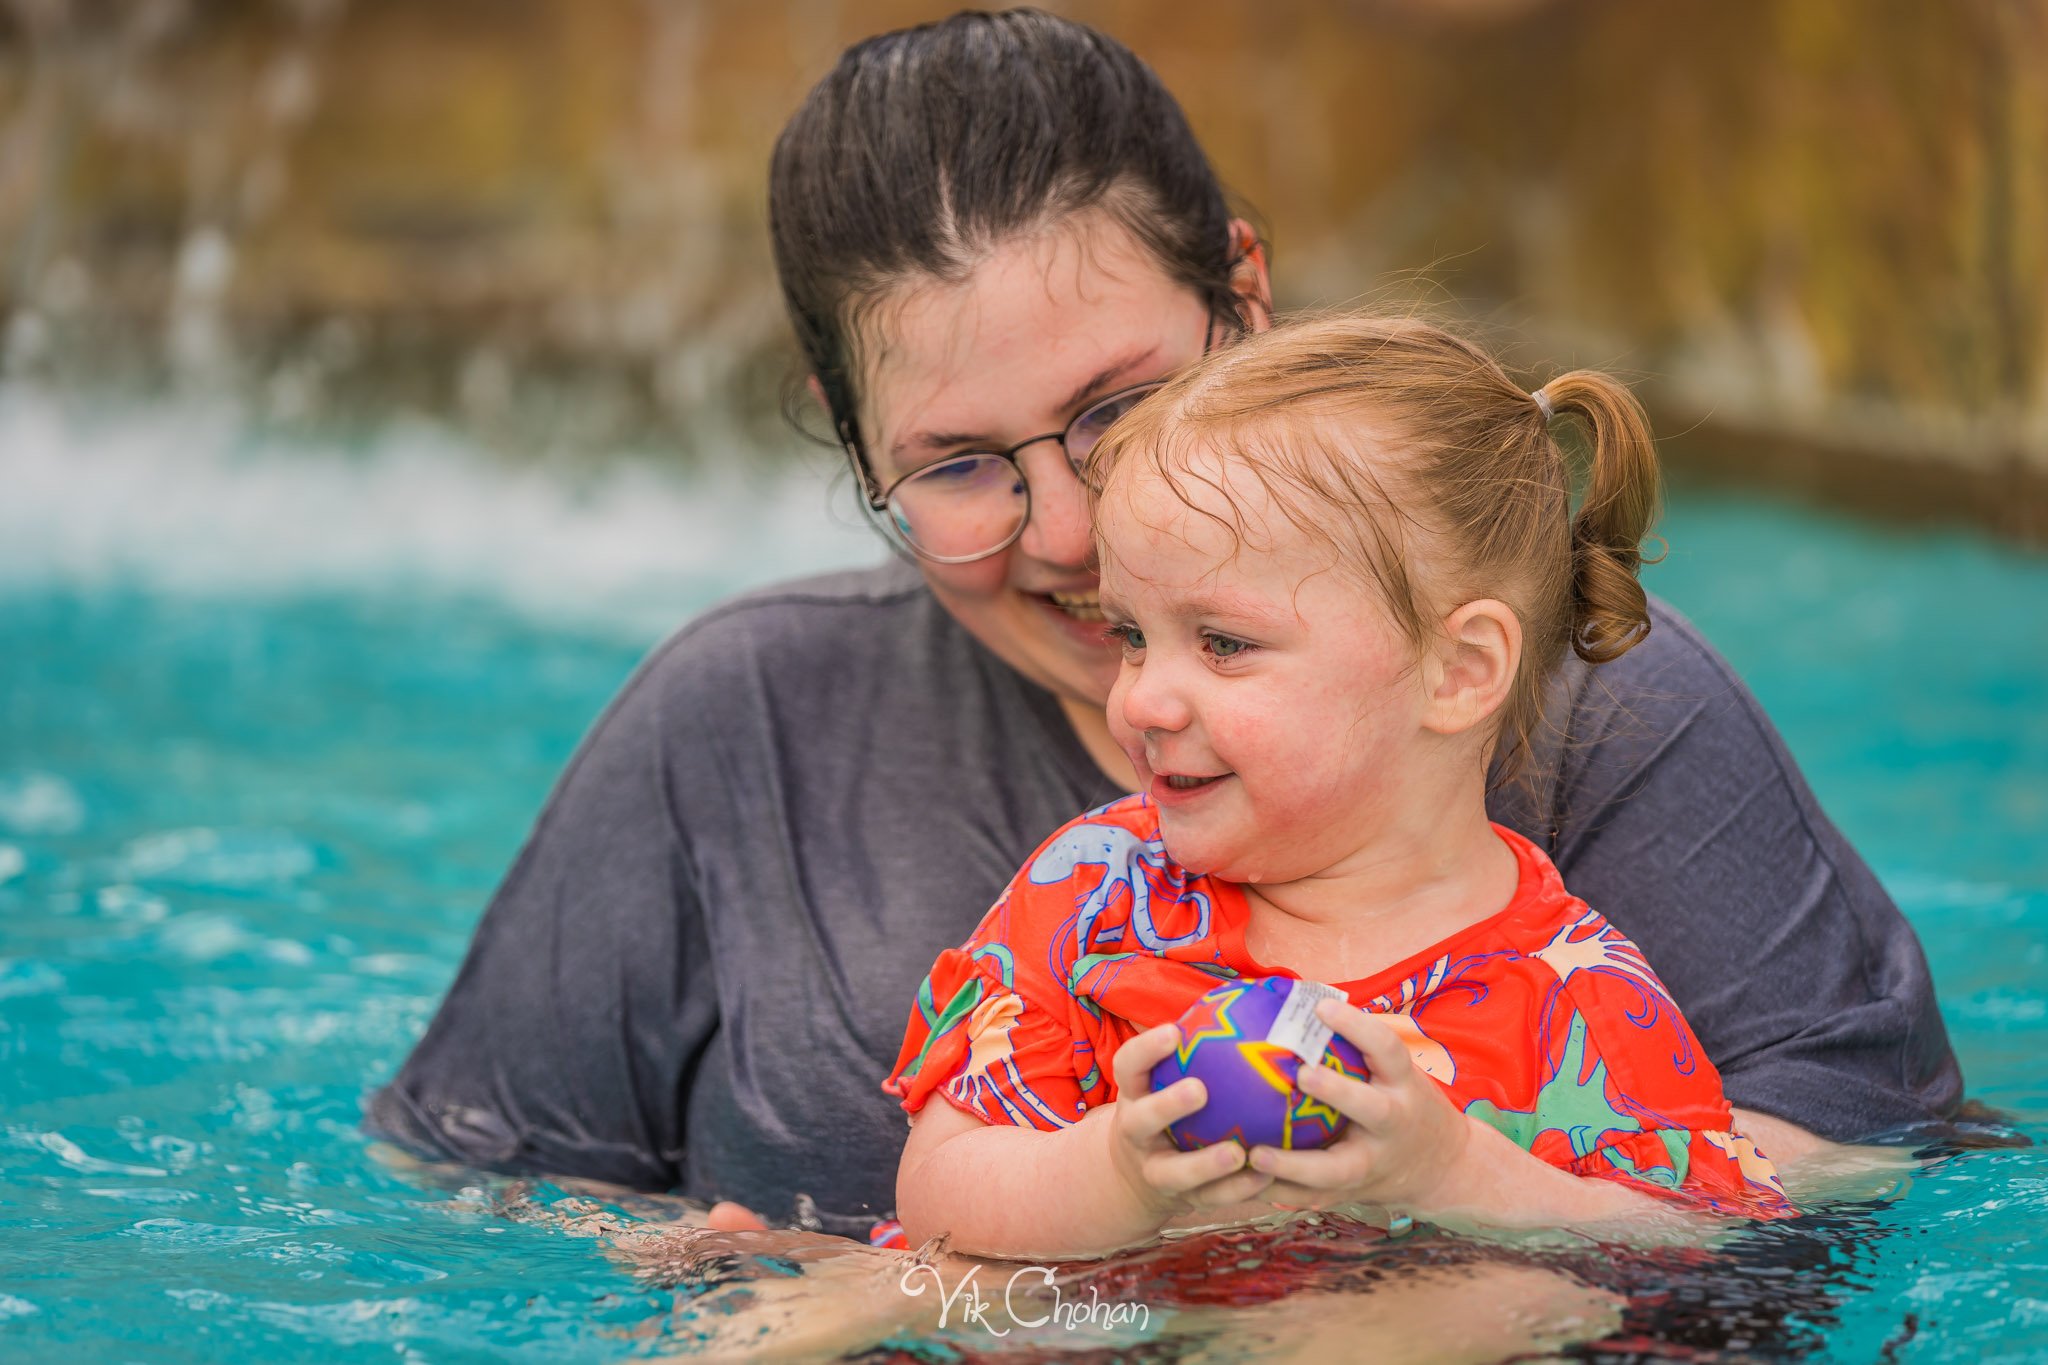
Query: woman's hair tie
[1542, 399]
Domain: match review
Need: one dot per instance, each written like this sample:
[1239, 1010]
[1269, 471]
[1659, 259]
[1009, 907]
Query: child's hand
[1404, 1139]
[1162, 1178]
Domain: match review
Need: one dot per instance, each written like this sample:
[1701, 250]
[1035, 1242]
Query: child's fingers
[1285, 1194]
[1386, 1056]
[1143, 1121]
[1337, 1167]
[1134, 1061]
[1238, 1188]
[1172, 1171]
[1354, 1099]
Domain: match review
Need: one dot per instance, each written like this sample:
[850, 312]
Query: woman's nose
[1058, 531]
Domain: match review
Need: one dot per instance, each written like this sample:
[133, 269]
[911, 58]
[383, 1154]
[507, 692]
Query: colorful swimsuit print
[1542, 1021]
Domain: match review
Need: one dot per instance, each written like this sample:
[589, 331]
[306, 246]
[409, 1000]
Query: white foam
[182, 498]
[39, 803]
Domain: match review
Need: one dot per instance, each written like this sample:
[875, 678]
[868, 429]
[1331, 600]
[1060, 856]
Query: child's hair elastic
[1543, 404]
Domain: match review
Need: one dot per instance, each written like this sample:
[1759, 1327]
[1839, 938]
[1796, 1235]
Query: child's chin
[1201, 850]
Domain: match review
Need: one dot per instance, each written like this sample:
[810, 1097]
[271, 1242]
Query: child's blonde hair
[1447, 483]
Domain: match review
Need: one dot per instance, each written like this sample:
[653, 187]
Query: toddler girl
[1342, 563]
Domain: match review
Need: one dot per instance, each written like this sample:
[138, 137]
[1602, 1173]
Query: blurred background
[380, 379]
[1817, 228]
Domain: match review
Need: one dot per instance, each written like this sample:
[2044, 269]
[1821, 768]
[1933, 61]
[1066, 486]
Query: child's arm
[1409, 1149]
[1110, 1180]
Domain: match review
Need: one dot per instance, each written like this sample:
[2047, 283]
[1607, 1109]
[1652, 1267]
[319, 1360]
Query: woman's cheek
[982, 579]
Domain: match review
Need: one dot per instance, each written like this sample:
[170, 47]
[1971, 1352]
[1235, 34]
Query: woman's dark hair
[925, 147]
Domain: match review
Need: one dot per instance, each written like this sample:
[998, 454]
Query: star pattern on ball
[1208, 1018]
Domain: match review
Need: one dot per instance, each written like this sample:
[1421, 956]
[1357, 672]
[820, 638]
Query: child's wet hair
[1428, 471]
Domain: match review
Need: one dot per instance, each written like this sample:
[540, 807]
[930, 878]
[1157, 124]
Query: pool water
[272, 722]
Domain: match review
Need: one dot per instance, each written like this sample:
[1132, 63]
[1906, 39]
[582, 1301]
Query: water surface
[272, 722]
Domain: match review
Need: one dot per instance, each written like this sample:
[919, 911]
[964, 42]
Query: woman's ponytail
[1609, 614]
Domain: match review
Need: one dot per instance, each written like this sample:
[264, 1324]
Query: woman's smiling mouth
[1082, 606]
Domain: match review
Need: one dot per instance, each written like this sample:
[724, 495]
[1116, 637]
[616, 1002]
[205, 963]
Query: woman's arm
[1109, 1181]
[585, 998]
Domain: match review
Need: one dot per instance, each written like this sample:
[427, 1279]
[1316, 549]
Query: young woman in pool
[1342, 565]
[991, 234]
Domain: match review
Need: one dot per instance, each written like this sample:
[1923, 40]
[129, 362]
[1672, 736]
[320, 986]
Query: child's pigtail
[1610, 615]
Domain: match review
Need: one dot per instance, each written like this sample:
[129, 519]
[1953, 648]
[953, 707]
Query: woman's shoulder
[805, 631]
[800, 609]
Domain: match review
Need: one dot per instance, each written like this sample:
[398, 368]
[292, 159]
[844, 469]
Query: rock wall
[1821, 222]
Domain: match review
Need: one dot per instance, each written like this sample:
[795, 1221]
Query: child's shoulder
[1617, 1006]
[1122, 830]
[1590, 958]
[1104, 882]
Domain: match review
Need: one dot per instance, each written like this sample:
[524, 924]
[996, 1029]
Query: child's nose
[1152, 701]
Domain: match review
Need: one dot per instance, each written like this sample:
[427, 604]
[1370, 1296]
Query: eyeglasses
[975, 504]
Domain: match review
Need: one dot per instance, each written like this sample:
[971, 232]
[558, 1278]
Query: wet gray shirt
[699, 969]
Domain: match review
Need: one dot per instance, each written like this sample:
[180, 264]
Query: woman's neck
[1422, 878]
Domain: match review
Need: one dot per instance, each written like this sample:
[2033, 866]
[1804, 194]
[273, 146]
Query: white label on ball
[1296, 1027]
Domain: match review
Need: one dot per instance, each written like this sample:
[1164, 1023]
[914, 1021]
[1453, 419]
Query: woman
[992, 234]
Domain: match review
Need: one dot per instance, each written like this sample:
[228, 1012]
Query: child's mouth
[1173, 789]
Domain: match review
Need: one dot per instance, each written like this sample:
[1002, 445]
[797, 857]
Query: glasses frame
[875, 497]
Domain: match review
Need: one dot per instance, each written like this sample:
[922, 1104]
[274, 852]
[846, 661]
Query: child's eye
[1226, 646]
[1130, 637]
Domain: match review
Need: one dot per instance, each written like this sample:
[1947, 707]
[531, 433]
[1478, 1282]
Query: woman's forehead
[1042, 323]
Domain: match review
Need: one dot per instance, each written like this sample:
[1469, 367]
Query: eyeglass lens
[974, 504]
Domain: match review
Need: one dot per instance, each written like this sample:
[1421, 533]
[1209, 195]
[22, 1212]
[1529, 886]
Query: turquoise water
[263, 755]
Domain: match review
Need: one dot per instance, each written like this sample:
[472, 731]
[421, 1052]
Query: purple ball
[1229, 1040]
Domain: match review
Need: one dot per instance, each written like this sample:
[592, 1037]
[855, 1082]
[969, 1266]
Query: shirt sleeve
[1712, 1170]
[568, 1038]
[995, 1031]
[1676, 810]
[987, 1051]
[1631, 1098]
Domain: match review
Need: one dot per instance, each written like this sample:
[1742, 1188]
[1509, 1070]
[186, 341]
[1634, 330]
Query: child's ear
[1473, 666]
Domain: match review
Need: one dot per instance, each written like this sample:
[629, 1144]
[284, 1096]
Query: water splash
[189, 499]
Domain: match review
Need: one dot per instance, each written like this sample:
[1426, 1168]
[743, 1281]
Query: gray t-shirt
[699, 969]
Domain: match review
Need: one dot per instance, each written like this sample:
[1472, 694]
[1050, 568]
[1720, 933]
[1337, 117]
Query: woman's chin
[1068, 655]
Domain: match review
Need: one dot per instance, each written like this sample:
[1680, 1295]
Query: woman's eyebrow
[934, 441]
[1110, 372]
[946, 440]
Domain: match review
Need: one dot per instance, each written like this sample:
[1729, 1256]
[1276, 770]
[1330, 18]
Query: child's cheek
[1127, 738]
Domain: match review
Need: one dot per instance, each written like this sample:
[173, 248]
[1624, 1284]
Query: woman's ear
[818, 393]
[1476, 656]
[1249, 277]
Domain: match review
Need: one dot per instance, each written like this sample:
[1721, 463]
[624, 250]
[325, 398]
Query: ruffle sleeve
[1712, 1171]
[977, 1041]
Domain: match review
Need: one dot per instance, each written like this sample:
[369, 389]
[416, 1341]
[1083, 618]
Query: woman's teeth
[1082, 606]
